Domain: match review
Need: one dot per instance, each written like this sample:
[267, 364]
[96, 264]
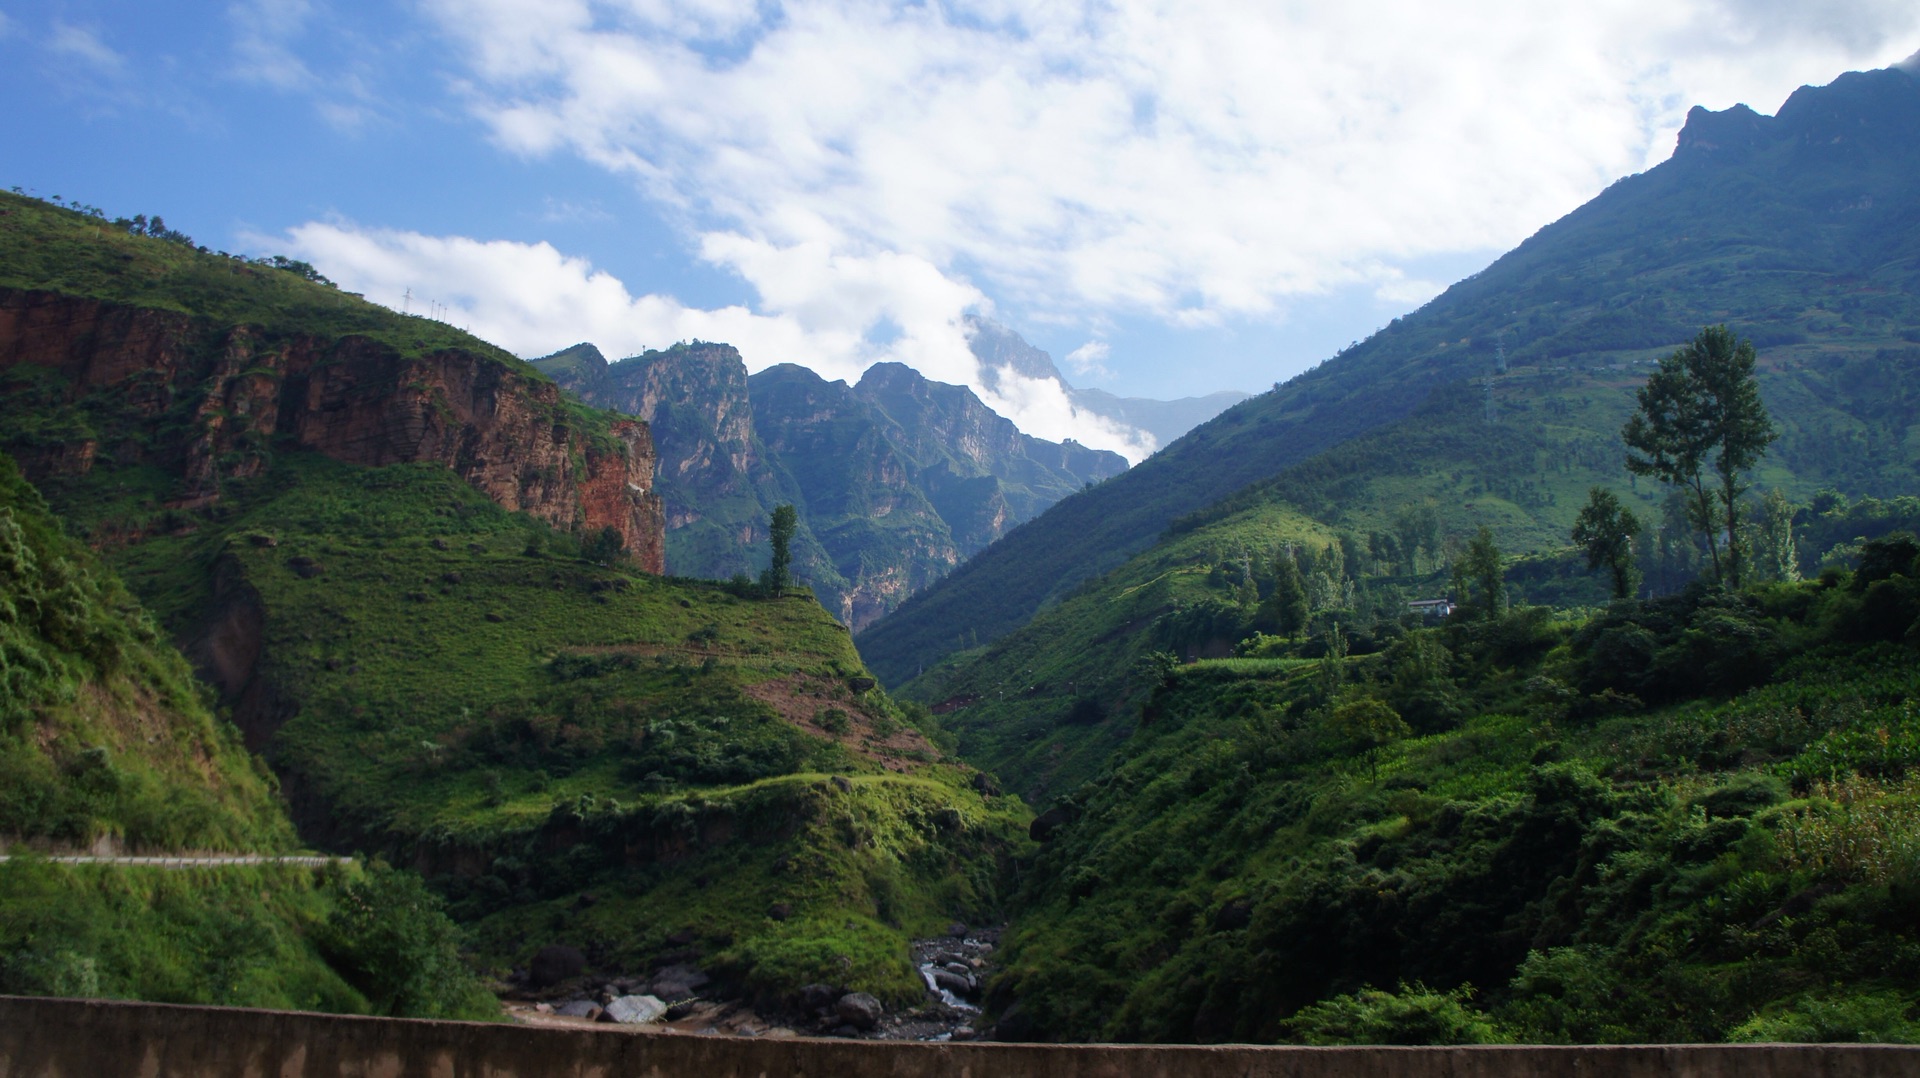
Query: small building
[1430, 608]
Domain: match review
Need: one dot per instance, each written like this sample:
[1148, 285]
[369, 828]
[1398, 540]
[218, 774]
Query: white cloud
[565, 211]
[263, 30]
[1196, 161]
[1090, 359]
[266, 34]
[80, 43]
[817, 309]
[1040, 407]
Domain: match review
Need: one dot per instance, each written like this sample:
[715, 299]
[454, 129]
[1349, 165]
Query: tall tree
[1479, 579]
[1605, 530]
[1368, 724]
[1286, 608]
[1701, 409]
[779, 572]
[1776, 554]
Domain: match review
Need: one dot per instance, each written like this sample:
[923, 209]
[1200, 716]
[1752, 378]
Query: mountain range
[897, 479]
[1279, 803]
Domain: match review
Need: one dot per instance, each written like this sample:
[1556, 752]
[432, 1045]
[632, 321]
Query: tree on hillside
[1479, 579]
[1418, 528]
[1701, 410]
[1605, 530]
[1368, 724]
[1776, 553]
[779, 572]
[1286, 609]
[603, 546]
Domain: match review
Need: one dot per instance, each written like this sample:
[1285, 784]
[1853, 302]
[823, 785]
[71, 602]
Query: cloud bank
[1196, 161]
[874, 170]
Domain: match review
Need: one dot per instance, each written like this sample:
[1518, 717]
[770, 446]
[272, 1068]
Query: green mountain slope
[1044, 706]
[418, 580]
[106, 746]
[1799, 230]
[107, 742]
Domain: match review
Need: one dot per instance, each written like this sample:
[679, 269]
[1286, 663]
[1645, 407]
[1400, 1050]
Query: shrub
[389, 939]
[1415, 1014]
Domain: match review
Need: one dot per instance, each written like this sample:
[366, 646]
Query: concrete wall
[45, 1038]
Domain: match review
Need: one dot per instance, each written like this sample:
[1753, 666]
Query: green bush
[389, 938]
[1414, 1014]
[1871, 1018]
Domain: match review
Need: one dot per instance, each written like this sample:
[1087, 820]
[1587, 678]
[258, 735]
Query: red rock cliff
[221, 394]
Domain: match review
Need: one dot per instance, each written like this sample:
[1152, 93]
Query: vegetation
[1687, 819]
[1605, 531]
[108, 741]
[572, 750]
[78, 252]
[1704, 401]
[280, 936]
[458, 688]
[103, 732]
[1043, 707]
[780, 531]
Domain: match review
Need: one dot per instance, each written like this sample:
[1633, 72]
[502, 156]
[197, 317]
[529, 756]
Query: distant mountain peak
[1734, 129]
[998, 348]
[1880, 106]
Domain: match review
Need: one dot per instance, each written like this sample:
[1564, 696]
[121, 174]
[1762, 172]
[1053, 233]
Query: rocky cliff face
[205, 402]
[716, 484]
[862, 495]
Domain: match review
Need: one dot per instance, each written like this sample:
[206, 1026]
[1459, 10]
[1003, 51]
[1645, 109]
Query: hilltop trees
[779, 572]
[1605, 530]
[1701, 410]
[1479, 579]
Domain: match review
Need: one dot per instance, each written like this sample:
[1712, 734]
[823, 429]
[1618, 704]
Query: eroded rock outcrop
[206, 401]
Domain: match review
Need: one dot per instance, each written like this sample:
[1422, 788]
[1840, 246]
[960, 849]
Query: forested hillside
[1686, 819]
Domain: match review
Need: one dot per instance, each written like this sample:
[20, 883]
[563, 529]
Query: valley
[1318, 726]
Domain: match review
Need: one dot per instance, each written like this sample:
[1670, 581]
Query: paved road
[195, 862]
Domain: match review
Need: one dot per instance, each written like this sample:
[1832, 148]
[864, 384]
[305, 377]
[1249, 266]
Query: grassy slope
[1711, 868]
[530, 728]
[106, 735]
[1806, 245]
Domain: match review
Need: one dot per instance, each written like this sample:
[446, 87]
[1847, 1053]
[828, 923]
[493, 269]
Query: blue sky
[1172, 199]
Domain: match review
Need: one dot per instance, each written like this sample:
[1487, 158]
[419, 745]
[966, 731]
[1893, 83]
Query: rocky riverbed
[680, 997]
